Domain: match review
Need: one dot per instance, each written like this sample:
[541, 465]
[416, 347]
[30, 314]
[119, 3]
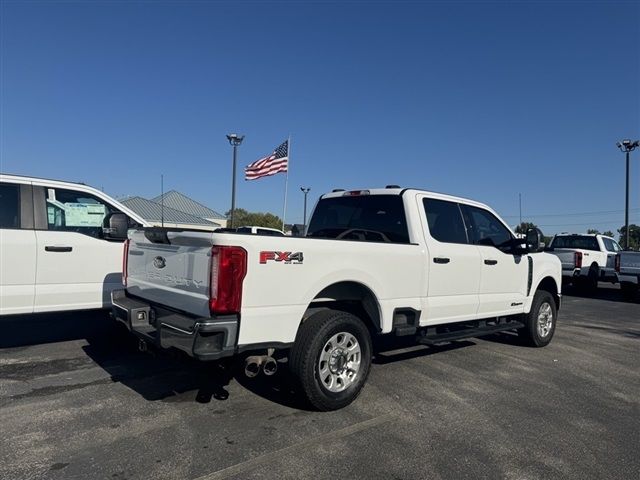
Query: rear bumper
[201, 338]
[607, 274]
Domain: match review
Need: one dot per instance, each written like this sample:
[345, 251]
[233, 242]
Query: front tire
[331, 358]
[540, 322]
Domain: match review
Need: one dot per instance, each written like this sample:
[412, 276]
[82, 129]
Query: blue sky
[479, 99]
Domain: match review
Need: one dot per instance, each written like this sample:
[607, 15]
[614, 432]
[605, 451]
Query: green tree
[593, 230]
[524, 226]
[608, 233]
[634, 237]
[243, 218]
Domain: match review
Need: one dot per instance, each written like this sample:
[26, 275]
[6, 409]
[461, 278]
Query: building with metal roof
[178, 201]
[154, 213]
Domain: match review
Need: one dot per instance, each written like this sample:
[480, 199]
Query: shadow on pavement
[605, 291]
[395, 349]
[171, 376]
[625, 333]
[155, 375]
[35, 329]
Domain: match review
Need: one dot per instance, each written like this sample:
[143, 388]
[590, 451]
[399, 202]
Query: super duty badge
[285, 257]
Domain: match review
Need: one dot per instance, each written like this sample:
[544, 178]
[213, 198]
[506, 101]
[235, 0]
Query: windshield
[369, 218]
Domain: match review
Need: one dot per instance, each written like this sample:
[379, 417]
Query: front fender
[547, 267]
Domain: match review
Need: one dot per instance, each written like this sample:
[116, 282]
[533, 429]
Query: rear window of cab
[576, 241]
[368, 218]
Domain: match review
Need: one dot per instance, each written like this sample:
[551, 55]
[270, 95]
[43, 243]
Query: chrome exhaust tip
[252, 366]
[270, 366]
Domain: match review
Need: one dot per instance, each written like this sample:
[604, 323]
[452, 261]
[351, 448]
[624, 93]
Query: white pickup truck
[586, 258]
[383, 261]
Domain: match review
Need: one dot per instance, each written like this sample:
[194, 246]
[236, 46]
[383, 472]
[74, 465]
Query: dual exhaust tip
[260, 363]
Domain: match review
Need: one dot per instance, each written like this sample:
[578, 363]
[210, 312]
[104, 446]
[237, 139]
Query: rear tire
[331, 358]
[540, 322]
[591, 282]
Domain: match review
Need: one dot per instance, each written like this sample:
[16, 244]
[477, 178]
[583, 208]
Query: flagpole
[286, 182]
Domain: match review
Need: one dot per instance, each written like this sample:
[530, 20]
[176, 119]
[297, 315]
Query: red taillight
[125, 262]
[577, 259]
[228, 269]
[618, 263]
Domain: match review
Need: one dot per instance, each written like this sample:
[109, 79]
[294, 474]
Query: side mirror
[535, 240]
[118, 226]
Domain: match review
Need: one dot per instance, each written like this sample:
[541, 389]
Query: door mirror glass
[118, 226]
[535, 240]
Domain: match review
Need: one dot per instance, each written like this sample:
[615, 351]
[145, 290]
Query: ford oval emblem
[159, 262]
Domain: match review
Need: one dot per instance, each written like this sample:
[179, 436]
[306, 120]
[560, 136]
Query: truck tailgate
[629, 263]
[567, 258]
[171, 268]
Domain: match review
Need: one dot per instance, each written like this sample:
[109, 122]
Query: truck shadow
[165, 376]
[40, 328]
[605, 291]
[396, 349]
[170, 376]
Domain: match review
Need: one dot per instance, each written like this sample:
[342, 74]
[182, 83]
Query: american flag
[276, 162]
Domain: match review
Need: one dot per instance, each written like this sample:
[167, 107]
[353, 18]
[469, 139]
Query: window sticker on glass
[84, 214]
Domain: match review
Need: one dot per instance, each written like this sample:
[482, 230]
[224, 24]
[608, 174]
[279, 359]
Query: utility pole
[627, 146]
[305, 191]
[234, 140]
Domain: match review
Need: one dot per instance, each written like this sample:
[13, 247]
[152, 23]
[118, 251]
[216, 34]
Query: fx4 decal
[286, 257]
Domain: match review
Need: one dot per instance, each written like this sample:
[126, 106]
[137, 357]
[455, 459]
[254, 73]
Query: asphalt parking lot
[77, 401]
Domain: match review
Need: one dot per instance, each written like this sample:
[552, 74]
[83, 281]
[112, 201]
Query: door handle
[490, 262]
[441, 260]
[53, 248]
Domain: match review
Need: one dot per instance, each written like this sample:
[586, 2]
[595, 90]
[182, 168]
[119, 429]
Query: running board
[429, 338]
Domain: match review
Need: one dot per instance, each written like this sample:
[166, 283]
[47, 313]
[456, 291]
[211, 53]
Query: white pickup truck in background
[586, 258]
[60, 245]
[383, 261]
[628, 268]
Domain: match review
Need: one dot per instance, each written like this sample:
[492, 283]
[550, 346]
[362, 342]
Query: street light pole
[305, 191]
[234, 140]
[627, 146]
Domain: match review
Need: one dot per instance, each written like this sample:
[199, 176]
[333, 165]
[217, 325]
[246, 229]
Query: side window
[445, 221]
[9, 205]
[611, 245]
[485, 228]
[72, 211]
